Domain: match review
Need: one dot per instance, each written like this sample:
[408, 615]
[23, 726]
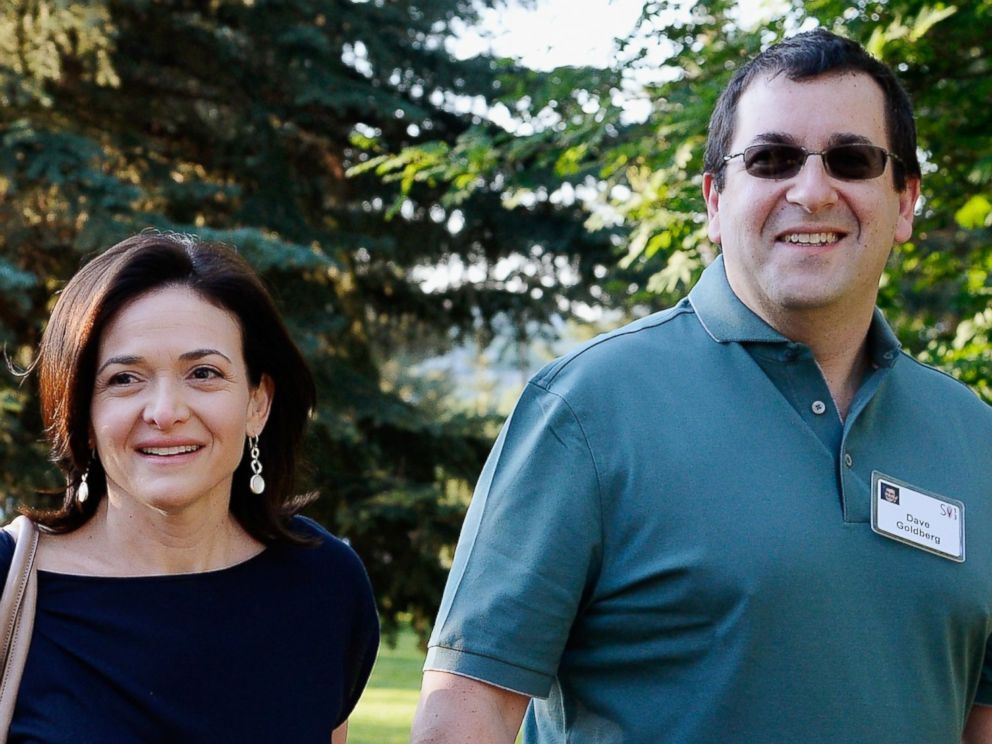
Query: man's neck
[844, 373]
[839, 344]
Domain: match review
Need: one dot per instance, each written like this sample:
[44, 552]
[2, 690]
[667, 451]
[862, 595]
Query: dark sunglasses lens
[850, 162]
[855, 162]
[773, 161]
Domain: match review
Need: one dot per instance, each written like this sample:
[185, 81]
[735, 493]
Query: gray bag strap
[17, 608]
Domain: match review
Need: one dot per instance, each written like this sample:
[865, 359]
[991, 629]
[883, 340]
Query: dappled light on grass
[385, 712]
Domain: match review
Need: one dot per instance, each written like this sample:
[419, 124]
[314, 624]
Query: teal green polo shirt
[672, 541]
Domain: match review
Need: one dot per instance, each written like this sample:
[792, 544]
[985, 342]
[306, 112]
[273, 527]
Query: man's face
[812, 242]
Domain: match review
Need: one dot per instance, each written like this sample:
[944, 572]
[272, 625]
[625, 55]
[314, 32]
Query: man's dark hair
[67, 357]
[802, 57]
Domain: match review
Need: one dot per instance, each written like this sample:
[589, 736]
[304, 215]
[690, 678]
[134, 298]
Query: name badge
[916, 517]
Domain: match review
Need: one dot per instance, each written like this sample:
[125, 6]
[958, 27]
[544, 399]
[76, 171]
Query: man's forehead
[837, 107]
[776, 79]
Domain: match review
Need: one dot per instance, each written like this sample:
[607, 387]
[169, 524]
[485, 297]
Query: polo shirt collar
[726, 319]
[883, 346]
[722, 314]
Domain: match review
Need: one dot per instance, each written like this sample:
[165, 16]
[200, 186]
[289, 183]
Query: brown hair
[66, 365]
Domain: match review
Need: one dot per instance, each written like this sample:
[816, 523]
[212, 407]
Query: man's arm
[459, 710]
[978, 728]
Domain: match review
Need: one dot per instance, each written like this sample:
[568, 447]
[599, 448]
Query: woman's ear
[259, 405]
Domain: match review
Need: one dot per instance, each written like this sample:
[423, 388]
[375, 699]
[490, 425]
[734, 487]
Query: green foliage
[647, 175]
[237, 121]
[938, 287]
[330, 142]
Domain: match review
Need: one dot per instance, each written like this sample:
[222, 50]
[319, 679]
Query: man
[681, 535]
[890, 494]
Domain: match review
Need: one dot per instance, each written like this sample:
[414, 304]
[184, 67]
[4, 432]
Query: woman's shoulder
[327, 551]
[321, 537]
[311, 528]
[328, 572]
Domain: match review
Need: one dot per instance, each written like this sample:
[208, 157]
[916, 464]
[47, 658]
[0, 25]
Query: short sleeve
[360, 650]
[346, 593]
[528, 553]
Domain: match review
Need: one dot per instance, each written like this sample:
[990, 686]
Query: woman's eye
[121, 378]
[205, 373]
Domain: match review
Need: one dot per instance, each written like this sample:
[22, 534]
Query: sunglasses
[854, 162]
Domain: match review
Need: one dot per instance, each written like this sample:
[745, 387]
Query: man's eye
[763, 157]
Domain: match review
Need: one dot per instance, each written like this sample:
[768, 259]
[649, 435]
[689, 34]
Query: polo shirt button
[819, 407]
[848, 460]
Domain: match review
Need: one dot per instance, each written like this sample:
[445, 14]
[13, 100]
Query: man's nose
[812, 188]
[166, 405]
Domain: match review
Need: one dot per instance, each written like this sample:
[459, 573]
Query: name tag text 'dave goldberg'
[917, 517]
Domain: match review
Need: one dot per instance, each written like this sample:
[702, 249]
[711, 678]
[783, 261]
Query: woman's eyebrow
[200, 353]
[128, 359]
[125, 359]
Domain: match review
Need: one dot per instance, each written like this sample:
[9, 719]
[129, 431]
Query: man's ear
[711, 195]
[259, 405]
[907, 209]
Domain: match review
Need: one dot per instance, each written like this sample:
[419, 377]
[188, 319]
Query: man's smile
[820, 238]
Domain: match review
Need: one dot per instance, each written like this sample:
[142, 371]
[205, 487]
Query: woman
[179, 598]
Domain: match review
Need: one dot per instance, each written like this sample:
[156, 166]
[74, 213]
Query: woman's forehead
[167, 319]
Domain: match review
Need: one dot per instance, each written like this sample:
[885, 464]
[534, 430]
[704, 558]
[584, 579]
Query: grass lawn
[385, 712]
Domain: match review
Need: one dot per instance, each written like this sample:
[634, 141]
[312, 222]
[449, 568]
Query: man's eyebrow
[849, 138]
[129, 359]
[774, 138]
[784, 138]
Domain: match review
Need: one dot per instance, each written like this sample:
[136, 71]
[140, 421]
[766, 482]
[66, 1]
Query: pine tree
[237, 120]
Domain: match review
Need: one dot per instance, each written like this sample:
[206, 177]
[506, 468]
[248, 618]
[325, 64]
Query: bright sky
[552, 34]
[570, 32]
[555, 32]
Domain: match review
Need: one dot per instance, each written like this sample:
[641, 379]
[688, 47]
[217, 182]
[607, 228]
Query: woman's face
[172, 403]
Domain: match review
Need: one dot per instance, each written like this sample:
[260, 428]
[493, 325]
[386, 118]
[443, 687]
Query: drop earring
[257, 482]
[83, 489]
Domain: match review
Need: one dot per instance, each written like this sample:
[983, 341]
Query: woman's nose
[166, 406]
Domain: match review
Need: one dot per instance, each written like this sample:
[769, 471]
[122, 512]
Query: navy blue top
[277, 648]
